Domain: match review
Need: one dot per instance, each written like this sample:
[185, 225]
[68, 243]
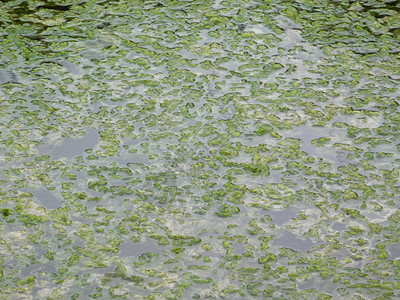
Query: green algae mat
[199, 149]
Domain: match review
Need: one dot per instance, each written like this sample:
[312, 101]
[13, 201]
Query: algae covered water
[199, 149]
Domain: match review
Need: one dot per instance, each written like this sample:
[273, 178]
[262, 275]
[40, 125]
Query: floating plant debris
[199, 149]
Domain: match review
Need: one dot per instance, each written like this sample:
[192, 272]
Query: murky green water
[199, 149]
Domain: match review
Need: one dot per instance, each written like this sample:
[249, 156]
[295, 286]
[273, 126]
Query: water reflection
[294, 242]
[131, 249]
[281, 217]
[71, 147]
[47, 198]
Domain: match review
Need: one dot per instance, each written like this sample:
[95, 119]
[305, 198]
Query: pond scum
[199, 149]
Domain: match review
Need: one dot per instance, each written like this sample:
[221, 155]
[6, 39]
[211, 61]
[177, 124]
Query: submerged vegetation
[199, 149]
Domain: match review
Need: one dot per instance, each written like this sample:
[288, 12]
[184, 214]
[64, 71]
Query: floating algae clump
[185, 149]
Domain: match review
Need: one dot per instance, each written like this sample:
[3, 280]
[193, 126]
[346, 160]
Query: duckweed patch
[186, 149]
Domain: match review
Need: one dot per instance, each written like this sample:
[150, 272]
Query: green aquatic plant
[209, 149]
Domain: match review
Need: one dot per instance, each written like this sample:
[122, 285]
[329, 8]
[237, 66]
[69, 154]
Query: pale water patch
[281, 217]
[394, 251]
[238, 67]
[7, 76]
[47, 198]
[71, 147]
[307, 134]
[135, 249]
[289, 240]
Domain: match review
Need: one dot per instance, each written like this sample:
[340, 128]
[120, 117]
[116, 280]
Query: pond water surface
[199, 149]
